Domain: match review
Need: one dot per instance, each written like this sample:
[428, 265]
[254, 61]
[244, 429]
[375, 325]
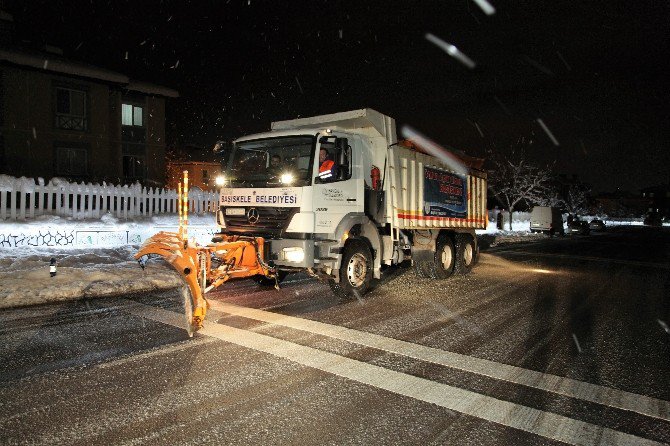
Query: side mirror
[342, 144]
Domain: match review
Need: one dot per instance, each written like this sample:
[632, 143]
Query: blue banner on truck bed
[444, 194]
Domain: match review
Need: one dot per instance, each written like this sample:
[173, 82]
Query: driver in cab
[275, 167]
[327, 167]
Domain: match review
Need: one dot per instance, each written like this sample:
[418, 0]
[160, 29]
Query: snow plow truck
[336, 196]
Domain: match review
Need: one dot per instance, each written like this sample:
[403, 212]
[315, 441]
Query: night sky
[595, 72]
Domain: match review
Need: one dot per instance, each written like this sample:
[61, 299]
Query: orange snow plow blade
[204, 268]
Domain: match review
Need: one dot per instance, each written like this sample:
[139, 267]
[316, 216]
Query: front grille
[269, 219]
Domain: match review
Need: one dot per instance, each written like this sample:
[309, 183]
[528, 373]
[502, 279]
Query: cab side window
[334, 159]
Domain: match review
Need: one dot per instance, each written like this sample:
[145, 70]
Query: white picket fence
[24, 198]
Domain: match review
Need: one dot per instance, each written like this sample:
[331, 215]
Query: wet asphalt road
[551, 341]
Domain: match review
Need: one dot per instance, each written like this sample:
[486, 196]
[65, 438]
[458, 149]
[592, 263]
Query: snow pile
[87, 270]
[25, 275]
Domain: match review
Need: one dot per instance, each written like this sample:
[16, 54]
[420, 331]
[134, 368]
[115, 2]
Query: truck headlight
[293, 254]
[286, 178]
[220, 180]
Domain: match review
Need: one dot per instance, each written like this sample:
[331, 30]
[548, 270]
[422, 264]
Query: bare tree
[577, 199]
[552, 198]
[514, 180]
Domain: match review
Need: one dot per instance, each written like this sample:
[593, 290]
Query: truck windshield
[271, 162]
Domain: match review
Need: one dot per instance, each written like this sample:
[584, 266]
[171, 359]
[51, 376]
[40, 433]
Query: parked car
[546, 219]
[597, 225]
[579, 227]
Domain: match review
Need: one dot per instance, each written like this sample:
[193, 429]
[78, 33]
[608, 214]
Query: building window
[71, 161]
[131, 115]
[70, 109]
[205, 177]
[134, 167]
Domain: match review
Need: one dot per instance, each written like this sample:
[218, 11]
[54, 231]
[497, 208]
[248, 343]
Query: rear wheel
[355, 271]
[465, 253]
[445, 258]
[438, 264]
[477, 254]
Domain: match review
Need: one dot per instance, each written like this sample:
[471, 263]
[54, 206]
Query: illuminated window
[131, 115]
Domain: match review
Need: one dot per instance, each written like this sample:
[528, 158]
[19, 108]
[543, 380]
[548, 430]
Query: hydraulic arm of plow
[204, 268]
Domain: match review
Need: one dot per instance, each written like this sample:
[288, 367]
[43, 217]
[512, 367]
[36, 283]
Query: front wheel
[355, 271]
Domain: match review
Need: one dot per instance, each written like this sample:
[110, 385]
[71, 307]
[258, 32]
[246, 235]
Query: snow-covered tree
[553, 198]
[577, 199]
[514, 180]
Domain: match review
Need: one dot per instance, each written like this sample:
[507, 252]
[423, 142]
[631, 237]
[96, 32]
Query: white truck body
[400, 213]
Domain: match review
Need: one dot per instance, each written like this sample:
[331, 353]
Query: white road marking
[579, 347]
[572, 388]
[516, 416]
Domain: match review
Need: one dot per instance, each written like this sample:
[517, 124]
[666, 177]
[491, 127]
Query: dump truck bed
[424, 192]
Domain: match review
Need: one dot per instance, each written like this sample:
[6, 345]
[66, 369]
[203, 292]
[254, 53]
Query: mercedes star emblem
[253, 216]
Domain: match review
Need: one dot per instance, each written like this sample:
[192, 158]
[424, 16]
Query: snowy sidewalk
[25, 279]
[94, 258]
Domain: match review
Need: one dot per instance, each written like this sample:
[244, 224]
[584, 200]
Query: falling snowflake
[579, 347]
[486, 7]
[451, 50]
[299, 86]
[434, 149]
[548, 132]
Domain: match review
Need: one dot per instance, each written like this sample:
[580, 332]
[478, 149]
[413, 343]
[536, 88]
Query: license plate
[235, 211]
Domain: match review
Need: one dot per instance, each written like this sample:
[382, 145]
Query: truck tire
[267, 282]
[440, 264]
[477, 253]
[355, 271]
[445, 258]
[465, 254]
